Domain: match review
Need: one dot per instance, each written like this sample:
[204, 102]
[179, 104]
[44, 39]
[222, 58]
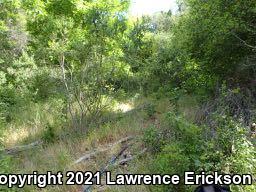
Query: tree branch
[243, 41]
[94, 152]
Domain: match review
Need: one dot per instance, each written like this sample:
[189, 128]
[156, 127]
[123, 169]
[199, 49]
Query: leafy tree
[82, 42]
[219, 36]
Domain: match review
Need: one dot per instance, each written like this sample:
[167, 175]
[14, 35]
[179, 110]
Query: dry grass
[188, 106]
[60, 155]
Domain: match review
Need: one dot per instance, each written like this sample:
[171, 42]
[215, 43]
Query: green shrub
[6, 167]
[181, 147]
[238, 151]
[172, 160]
[225, 149]
[153, 139]
[150, 109]
[49, 134]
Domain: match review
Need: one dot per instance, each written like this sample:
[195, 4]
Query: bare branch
[95, 152]
[244, 42]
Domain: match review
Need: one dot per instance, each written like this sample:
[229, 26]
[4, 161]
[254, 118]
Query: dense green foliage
[183, 146]
[64, 64]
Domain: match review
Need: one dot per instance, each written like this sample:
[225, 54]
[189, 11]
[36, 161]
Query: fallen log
[113, 162]
[123, 161]
[87, 188]
[94, 152]
[20, 148]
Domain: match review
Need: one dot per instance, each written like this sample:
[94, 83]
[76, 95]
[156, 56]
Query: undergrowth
[189, 147]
